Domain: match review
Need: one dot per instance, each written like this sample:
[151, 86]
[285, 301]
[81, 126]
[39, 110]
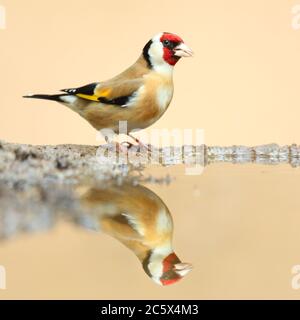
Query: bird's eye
[169, 44]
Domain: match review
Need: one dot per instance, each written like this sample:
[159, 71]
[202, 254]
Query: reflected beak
[182, 50]
[183, 268]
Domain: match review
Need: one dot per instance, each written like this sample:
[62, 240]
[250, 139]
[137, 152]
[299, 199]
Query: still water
[237, 225]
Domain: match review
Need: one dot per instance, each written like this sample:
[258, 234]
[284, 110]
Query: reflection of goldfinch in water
[139, 95]
[140, 220]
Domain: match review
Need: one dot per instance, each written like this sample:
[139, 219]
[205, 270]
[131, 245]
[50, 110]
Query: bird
[138, 96]
[140, 220]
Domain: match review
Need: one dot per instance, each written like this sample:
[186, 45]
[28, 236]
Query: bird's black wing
[110, 92]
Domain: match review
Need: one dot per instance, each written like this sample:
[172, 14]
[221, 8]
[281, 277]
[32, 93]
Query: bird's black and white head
[165, 268]
[164, 50]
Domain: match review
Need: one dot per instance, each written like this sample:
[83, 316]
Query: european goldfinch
[140, 95]
[140, 220]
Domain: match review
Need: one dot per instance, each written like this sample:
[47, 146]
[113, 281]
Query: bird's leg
[140, 143]
[122, 148]
[119, 146]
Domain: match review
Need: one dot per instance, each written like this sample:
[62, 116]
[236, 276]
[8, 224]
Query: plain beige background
[242, 86]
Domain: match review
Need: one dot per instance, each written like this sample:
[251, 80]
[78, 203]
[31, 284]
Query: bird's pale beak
[182, 50]
[183, 268]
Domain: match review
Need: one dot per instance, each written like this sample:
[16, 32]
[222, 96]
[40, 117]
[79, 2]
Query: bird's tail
[53, 97]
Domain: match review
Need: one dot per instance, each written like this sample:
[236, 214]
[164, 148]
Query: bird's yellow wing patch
[95, 97]
[87, 97]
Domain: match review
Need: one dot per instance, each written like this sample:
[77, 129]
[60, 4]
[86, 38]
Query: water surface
[237, 224]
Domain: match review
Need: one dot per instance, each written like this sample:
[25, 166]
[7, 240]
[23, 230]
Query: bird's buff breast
[154, 100]
[152, 105]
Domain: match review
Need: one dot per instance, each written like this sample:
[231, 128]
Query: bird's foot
[127, 144]
[131, 147]
[140, 143]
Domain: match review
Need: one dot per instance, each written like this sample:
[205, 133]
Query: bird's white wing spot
[135, 97]
[134, 224]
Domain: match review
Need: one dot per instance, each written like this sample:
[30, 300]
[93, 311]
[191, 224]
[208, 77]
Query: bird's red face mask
[173, 269]
[174, 48]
